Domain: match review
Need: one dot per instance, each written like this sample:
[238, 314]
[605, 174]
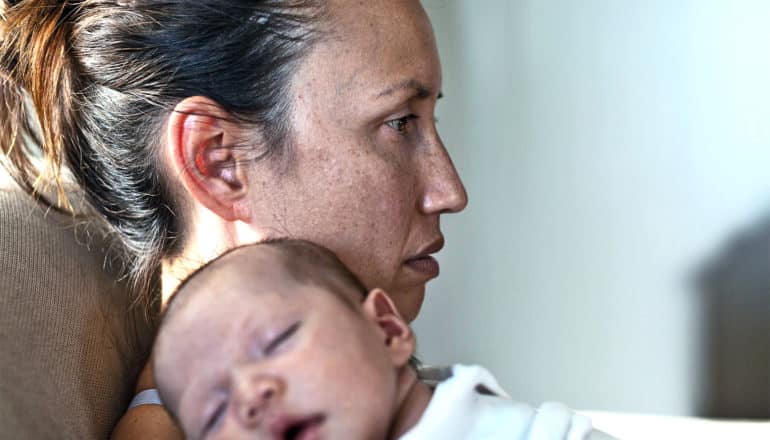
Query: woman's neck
[414, 397]
[210, 238]
[174, 271]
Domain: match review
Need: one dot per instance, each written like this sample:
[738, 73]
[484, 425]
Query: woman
[196, 126]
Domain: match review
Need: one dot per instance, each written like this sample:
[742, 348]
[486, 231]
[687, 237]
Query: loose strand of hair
[37, 89]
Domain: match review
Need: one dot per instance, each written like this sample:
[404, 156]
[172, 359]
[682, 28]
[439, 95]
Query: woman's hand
[150, 422]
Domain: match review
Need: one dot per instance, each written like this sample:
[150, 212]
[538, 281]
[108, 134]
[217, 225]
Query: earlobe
[398, 337]
[200, 150]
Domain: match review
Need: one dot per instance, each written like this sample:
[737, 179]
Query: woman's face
[370, 176]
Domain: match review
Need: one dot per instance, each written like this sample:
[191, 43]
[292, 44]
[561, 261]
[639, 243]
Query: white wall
[610, 149]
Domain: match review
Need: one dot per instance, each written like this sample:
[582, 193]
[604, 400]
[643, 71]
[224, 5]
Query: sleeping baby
[279, 340]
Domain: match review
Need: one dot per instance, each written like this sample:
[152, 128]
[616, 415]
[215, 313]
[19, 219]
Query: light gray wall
[614, 152]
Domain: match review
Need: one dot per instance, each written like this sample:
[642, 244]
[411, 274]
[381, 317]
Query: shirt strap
[433, 375]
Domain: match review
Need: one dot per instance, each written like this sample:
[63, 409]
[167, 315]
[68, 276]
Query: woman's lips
[424, 265]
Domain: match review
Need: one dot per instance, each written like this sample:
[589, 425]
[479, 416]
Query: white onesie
[470, 405]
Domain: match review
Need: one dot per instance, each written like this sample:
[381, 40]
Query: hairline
[285, 265]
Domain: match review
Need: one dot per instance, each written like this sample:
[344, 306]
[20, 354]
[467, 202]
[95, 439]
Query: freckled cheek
[386, 205]
[393, 214]
[360, 201]
[370, 189]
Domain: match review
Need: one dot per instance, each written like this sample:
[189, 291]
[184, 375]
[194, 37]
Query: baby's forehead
[234, 287]
[259, 274]
[222, 307]
[253, 269]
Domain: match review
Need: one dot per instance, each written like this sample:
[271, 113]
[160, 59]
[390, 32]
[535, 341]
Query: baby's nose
[255, 394]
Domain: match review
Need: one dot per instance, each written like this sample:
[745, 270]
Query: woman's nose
[443, 191]
[254, 394]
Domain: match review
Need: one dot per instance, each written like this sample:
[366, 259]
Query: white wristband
[146, 397]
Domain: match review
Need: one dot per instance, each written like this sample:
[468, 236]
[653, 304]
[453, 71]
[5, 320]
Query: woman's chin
[409, 301]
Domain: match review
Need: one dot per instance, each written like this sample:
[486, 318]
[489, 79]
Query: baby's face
[289, 361]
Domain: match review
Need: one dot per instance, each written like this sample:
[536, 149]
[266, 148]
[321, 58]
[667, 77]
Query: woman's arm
[146, 421]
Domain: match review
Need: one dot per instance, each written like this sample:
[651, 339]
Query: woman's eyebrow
[421, 90]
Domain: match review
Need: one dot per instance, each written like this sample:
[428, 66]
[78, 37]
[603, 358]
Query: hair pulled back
[88, 84]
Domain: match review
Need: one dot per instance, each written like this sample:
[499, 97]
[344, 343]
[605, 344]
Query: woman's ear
[398, 337]
[201, 151]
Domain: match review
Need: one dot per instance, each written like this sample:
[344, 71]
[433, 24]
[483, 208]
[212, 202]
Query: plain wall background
[616, 249]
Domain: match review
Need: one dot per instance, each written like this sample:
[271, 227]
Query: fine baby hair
[305, 262]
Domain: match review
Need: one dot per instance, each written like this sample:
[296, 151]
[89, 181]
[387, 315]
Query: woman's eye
[402, 125]
[280, 339]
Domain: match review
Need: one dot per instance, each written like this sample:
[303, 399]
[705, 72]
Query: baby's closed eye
[279, 340]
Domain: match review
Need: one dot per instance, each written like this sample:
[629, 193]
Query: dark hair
[90, 83]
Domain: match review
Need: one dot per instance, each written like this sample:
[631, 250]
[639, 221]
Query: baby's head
[280, 340]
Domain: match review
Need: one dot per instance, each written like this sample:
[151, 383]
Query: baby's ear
[398, 337]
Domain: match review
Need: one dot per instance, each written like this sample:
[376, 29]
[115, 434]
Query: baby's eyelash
[280, 339]
[216, 416]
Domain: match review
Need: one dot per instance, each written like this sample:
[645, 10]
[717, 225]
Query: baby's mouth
[307, 428]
